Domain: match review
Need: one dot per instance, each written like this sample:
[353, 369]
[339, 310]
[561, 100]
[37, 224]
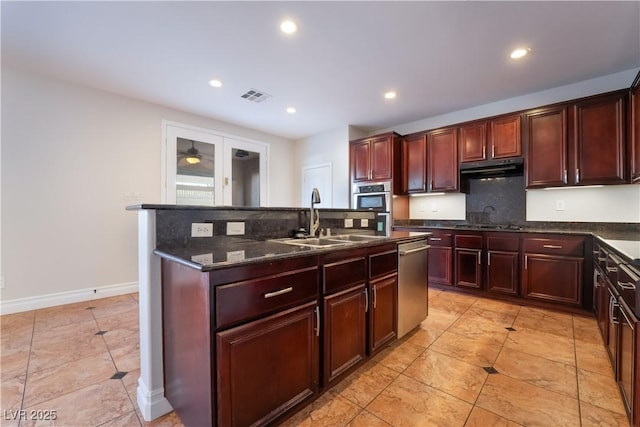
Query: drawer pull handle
[612, 269]
[552, 246]
[366, 301]
[480, 257]
[317, 310]
[375, 296]
[434, 239]
[628, 286]
[280, 292]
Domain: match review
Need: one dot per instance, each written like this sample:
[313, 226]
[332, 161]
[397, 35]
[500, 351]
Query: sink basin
[330, 241]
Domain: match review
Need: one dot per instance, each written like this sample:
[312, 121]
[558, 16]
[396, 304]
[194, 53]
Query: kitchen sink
[329, 241]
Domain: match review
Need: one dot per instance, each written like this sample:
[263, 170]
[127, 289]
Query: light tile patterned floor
[462, 367]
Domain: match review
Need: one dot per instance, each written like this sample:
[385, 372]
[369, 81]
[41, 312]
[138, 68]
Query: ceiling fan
[192, 156]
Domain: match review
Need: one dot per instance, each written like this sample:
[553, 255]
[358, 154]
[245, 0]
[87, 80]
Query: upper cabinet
[372, 159]
[578, 143]
[497, 138]
[634, 137]
[414, 163]
[442, 157]
[599, 138]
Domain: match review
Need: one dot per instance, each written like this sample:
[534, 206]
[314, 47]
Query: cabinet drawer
[342, 274]
[383, 263]
[440, 239]
[551, 246]
[249, 299]
[503, 243]
[468, 241]
[613, 265]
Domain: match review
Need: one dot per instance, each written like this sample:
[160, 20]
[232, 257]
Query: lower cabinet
[468, 262]
[440, 259]
[503, 263]
[553, 268]
[626, 371]
[267, 366]
[383, 312]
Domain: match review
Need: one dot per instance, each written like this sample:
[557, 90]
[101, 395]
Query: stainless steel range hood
[496, 167]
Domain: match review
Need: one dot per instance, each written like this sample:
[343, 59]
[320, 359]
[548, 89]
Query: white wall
[70, 155]
[611, 203]
[328, 147]
[446, 206]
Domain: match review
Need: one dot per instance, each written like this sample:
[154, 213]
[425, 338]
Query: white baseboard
[50, 300]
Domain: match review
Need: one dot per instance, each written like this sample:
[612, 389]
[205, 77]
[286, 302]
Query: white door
[201, 167]
[317, 177]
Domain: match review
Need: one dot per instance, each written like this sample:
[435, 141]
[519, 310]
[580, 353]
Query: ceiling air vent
[255, 96]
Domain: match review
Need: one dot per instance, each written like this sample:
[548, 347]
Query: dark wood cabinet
[503, 263]
[267, 366]
[626, 372]
[440, 259]
[634, 129]
[442, 157]
[553, 269]
[497, 138]
[599, 138]
[372, 159]
[468, 261]
[414, 163]
[546, 139]
[578, 143]
[383, 297]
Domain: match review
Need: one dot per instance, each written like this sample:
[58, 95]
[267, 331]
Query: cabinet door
[440, 266]
[599, 137]
[360, 161]
[267, 366]
[547, 147]
[381, 158]
[383, 320]
[627, 358]
[468, 268]
[414, 164]
[553, 278]
[505, 137]
[442, 149]
[344, 331]
[601, 303]
[635, 134]
[473, 142]
[502, 272]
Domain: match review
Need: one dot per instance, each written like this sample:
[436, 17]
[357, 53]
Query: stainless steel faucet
[314, 217]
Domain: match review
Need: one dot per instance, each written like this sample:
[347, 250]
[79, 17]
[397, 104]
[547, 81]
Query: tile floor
[473, 362]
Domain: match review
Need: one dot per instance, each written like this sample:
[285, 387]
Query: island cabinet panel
[267, 366]
[546, 139]
[599, 133]
[414, 163]
[186, 329]
[345, 339]
[442, 155]
[383, 296]
[553, 269]
[505, 136]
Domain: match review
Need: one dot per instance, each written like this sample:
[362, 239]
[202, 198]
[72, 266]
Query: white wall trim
[69, 297]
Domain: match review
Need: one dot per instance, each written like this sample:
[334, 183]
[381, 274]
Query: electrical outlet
[364, 223]
[434, 207]
[559, 205]
[348, 223]
[235, 228]
[201, 229]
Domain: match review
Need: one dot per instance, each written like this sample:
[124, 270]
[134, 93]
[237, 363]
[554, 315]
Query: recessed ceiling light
[519, 52]
[215, 83]
[390, 95]
[291, 110]
[288, 27]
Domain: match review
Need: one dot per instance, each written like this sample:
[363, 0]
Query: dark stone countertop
[244, 251]
[623, 238]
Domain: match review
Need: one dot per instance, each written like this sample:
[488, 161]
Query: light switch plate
[348, 223]
[364, 223]
[201, 229]
[235, 228]
[559, 205]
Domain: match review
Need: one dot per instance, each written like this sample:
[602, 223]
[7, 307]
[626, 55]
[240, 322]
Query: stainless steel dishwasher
[413, 291]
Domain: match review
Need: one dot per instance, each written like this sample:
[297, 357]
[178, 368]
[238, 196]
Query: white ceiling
[439, 56]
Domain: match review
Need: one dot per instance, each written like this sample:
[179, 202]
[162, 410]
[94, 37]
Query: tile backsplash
[499, 200]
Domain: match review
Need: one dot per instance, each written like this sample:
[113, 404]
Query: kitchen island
[248, 329]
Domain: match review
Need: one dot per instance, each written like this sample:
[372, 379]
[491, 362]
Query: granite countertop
[245, 251]
[626, 242]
